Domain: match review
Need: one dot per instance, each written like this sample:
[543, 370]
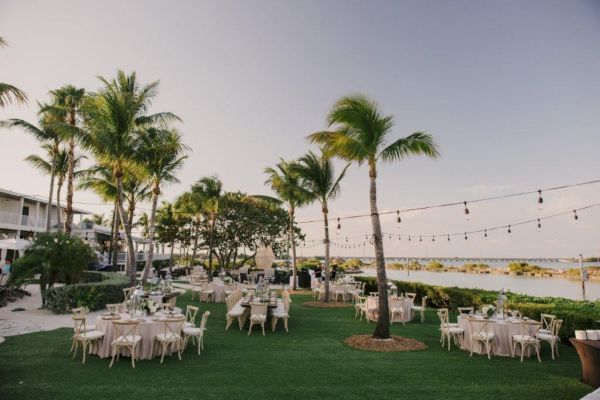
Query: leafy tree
[9, 93]
[57, 257]
[361, 134]
[320, 184]
[168, 227]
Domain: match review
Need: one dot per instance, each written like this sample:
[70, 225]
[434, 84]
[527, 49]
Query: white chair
[84, 336]
[525, 340]
[190, 316]
[127, 292]
[207, 293]
[360, 307]
[397, 309]
[339, 291]
[446, 317]
[450, 332]
[481, 335]
[546, 323]
[258, 316]
[465, 310]
[411, 296]
[281, 312]
[420, 309]
[236, 311]
[553, 337]
[195, 333]
[316, 292]
[171, 336]
[125, 332]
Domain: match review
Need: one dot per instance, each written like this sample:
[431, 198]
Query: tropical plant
[161, 154]
[115, 118]
[46, 134]
[66, 102]
[60, 169]
[360, 133]
[9, 93]
[168, 226]
[285, 182]
[98, 219]
[320, 184]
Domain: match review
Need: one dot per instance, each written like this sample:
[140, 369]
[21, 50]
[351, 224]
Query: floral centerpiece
[228, 280]
[488, 310]
[150, 306]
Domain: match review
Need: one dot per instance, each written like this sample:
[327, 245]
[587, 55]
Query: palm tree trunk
[131, 267]
[382, 330]
[114, 231]
[210, 247]
[49, 207]
[326, 243]
[196, 230]
[171, 257]
[58, 206]
[151, 233]
[293, 243]
[70, 178]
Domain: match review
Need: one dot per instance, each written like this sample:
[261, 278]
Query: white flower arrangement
[150, 306]
[228, 280]
[488, 310]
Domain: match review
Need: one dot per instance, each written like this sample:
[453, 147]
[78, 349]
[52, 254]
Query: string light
[409, 238]
[575, 216]
[485, 234]
[466, 238]
[539, 225]
[433, 238]
[540, 200]
[339, 226]
[420, 238]
[509, 231]
[398, 219]
[467, 214]
[448, 237]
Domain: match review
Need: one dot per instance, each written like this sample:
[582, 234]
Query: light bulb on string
[539, 225]
[467, 213]
[485, 233]
[399, 237]
[409, 238]
[466, 236]
[575, 217]
[448, 237]
[433, 238]
[420, 238]
[540, 200]
[346, 239]
[339, 226]
[398, 219]
[509, 231]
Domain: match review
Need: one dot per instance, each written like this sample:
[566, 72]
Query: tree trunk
[195, 249]
[326, 243]
[382, 330]
[171, 257]
[58, 206]
[114, 232]
[52, 177]
[293, 243]
[70, 178]
[151, 233]
[210, 247]
[131, 267]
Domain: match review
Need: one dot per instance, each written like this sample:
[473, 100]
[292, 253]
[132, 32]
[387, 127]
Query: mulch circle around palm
[395, 343]
[322, 304]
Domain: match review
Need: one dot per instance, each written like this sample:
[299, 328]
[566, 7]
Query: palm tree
[98, 219]
[320, 184]
[285, 181]
[209, 190]
[115, 117]
[9, 93]
[46, 134]
[57, 164]
[67, 101]
[161, 154]
[361, 134]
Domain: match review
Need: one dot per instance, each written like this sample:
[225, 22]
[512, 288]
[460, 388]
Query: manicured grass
[309, 362]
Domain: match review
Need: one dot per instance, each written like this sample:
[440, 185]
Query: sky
[510, 91]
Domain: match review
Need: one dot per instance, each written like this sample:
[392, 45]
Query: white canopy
[14, 244]
[264, 257]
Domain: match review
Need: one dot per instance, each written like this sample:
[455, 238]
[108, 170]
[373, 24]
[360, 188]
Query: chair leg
[83, 351]
[113, 357]
[250, 329]
[262, 325]
[522, 351]
[162, 357]
[556, 349]
[133, 356]
[537, 350]
[285, 324]
[75, 353]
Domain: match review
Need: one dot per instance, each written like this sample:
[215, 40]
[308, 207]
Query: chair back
[114, 308]
[555, 326]
[204, 319]
[79, 311]
[546, 321]
[79, 321]
[525, 327]
[411, 295]
[173, 326]
[374, 294]
[258, 309]
[125, 327]
[190, 314]
[424, 301]
[443, 316]
[395, 303]
[127, 292]
[479, 327]
[466, 310]
[514, 313]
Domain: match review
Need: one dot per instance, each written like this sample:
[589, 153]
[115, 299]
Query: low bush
[575, 314]
[99, 289]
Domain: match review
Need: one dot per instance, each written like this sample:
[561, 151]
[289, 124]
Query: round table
[373, 305]
[148, 328]
[503, 330]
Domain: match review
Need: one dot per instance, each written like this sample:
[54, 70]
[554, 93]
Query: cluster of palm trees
[135, 152]
[9, 93]
[358, 133]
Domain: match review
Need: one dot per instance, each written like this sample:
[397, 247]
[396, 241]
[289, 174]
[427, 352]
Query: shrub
[100, 289]
[575, 314]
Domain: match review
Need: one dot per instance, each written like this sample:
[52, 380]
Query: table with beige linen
[148, 328]
[503, 330]
[373, 305]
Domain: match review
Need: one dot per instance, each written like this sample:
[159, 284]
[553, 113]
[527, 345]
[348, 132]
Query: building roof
[34, 198]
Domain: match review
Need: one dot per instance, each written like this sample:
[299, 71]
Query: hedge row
[575, 314]
[99, 289]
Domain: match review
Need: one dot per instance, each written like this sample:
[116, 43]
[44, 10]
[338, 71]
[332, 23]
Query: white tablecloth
[147, 329]
[503, 331]
[373, 304]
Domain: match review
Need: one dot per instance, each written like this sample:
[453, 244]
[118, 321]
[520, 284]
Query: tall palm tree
[67, 101]
[161, 154]
[285, 182]
[320, 184]
[191, 203]
[9, 93]
[361, 134]
[57, 164]
[98, 219]
[115, 117]
[46, 134]
[209, 191]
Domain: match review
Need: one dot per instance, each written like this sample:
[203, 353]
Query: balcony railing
[23, 220]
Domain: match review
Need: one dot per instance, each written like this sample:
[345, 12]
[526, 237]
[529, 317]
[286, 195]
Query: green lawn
[309, 362]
